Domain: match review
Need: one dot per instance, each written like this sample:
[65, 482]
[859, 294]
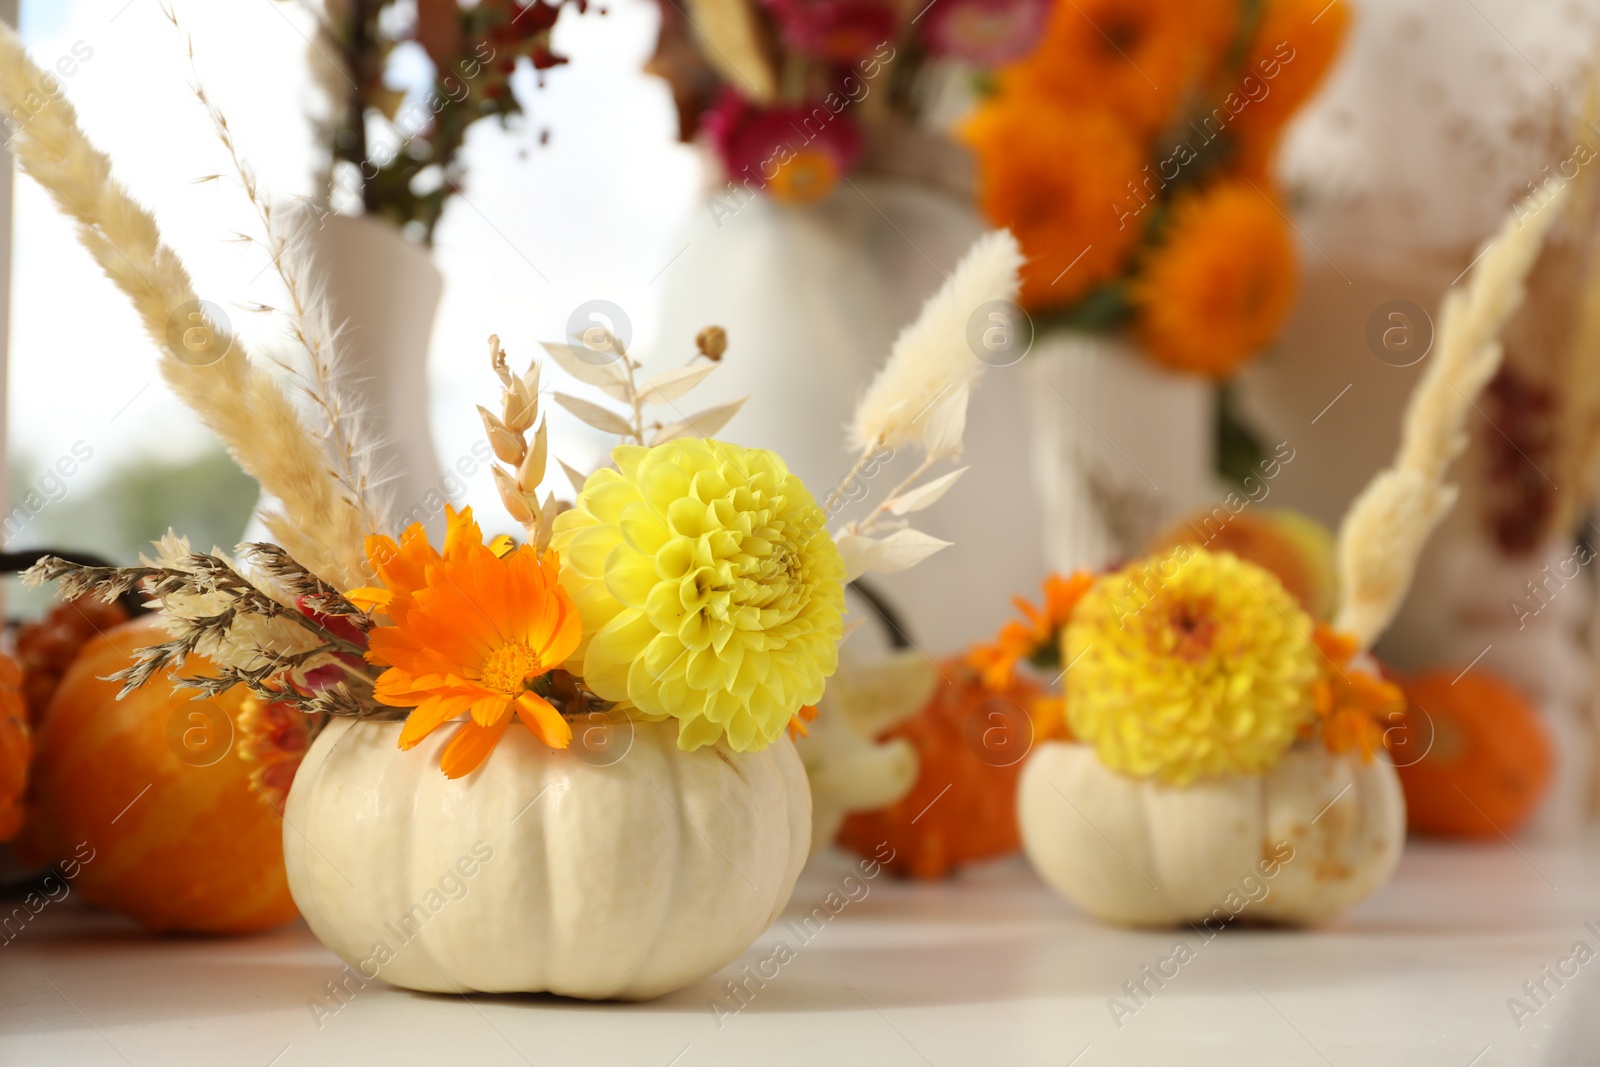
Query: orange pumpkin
[15, 747]
[971, 740]
[1487, 761]
[155, 790]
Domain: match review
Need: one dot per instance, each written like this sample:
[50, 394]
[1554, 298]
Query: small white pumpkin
[1137, 852]
[540, 871]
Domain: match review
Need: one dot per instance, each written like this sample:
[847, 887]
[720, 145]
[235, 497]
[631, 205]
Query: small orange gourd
[16, 747]
[155, 789]
[971, 740]
[1487, 761]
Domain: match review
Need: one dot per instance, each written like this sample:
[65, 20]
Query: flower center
[806, 177]
[1194, 628]
[508, 666]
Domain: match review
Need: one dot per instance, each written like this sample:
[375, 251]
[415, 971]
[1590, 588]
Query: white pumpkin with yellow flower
[556, 766]
[696, 608]
[1227, 753]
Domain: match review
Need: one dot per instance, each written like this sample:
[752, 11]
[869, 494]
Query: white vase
[1121, 446]
[812, 300]
[382, 292]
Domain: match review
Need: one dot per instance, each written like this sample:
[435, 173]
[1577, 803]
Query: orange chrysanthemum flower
[1293, 49]
[1037, 636]
[472, 633]
[1218, 287]
[1055, 178]
[1352, 704]
[1138, 58]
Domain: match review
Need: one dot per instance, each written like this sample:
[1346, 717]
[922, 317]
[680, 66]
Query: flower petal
[538, 715]
[470, 746]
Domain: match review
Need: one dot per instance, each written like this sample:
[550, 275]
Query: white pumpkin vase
[1300, 845]
[616, 872]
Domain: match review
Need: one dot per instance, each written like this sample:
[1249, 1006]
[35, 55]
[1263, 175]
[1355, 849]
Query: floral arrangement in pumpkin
[1130, 153]
[694, 580]
[1217, 600]
[1186, 628]
[793, 95]
[1211, 715]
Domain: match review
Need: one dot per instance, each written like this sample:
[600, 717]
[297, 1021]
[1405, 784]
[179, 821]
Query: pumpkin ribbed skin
[177, 847]
[1139, 853]
[624, 881]
[1488, 759]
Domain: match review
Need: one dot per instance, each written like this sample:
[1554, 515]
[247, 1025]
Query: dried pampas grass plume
[1387, 525]
[317, 523]
[932, 360]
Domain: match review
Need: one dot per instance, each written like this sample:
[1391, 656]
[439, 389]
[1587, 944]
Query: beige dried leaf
[924, 495]
[669, 385]
[701, 424]
[610, 375]
[573, 476]
[944, 427]
[592, 414]
[903, 549]
[859, 553]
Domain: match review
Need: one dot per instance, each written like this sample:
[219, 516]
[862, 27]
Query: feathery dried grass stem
[307, 318]
[1386, 527]
[314, 519]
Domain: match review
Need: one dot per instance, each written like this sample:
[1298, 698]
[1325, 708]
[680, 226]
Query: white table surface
[991, 968]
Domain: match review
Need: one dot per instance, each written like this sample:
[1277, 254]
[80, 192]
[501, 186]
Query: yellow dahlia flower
[1189, 664]
[709, 588]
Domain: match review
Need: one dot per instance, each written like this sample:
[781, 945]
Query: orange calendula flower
[1295, 45]
[473, 634]
[402, 568]
[1053, 176]
[1352, 704]
[1136, 57]
[1219, 286]
[1038, 639]
[797, 725]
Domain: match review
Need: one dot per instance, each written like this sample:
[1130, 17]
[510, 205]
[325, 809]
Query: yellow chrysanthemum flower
[709, 588]
[1189, 664]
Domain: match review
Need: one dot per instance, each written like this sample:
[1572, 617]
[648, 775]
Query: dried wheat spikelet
[240, 402]
[341, 430]
[1387, 525]
[518, 481]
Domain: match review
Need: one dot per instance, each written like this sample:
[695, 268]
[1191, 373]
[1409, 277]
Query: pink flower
[796, 154]
[985, 32]
[839, 30]
[322, 677]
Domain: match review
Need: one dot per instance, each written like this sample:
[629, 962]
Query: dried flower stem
[307, 317]
[241, 403]
[518, 482]
[1385, 529]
